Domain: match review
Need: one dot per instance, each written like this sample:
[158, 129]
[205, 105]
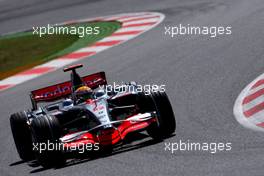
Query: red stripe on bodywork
[112, 136]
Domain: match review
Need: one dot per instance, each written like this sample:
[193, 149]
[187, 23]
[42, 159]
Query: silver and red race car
[67, 121]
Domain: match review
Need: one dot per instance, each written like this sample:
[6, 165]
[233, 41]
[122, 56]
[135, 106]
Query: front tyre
[166, 123]
[47, 131]
[22, 135]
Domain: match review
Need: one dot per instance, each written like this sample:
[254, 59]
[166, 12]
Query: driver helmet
[84, 93]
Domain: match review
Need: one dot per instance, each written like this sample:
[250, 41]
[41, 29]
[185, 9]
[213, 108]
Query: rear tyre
[166, 123]
[47, 130]
[22, 135]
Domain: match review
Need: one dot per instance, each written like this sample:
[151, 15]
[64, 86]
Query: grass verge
[24, 50]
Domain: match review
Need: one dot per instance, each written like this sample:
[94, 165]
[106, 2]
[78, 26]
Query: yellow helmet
[83, 88]
[84, 92]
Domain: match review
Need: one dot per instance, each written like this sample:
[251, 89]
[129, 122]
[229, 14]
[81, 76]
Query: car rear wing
[61, 90]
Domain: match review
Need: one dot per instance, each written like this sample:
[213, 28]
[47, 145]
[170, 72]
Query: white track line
[57, 63]
[121, 37]
[93, 49]
[18, 79]
[128, 29]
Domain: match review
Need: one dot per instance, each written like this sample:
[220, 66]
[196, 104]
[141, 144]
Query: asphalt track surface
[203, 78]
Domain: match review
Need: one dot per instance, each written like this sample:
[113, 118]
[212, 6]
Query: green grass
[24, 50]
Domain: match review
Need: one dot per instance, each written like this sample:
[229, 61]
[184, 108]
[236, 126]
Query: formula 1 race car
[85, 112]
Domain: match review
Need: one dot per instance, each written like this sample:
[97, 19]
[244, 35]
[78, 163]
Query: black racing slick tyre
[160, 103]
[166, 123]
[46, 131]
[22, 135]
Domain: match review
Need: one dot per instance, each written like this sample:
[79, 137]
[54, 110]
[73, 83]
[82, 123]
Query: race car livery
[61, 116]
